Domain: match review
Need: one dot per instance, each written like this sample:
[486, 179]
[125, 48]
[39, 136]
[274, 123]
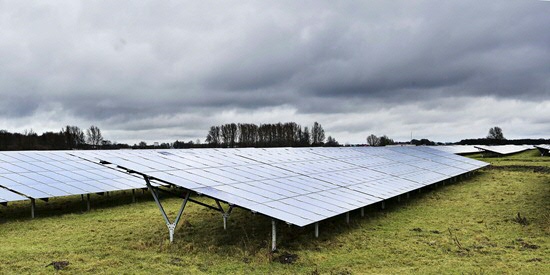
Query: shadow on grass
[21, 210]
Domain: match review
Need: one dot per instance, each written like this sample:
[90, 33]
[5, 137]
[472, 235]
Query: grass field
[469, 227]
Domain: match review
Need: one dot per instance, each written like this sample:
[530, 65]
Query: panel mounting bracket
[171, 225]
[225, 214]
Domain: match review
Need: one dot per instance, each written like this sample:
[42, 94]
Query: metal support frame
[362, 211]
[408, 195]
[133, 195]
[273, 235]
[33, 207]
[225, 214]
[347, 217]
[398, 198]
[317, 230]
[219, 208]
[171, 225]
[383, 205]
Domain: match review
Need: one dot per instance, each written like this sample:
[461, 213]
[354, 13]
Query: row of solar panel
[504, 149]
[297, 185]
[544, 149]
[457, 149]
[47, 174]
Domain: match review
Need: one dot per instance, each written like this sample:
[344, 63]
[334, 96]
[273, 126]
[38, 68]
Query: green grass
[526, 158]
[465, 228]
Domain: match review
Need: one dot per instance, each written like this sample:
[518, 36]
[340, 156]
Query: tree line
[373, 140]
[289, 134]
[226, 135]
[70, 137]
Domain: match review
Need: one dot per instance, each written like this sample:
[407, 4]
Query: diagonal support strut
[225, 214]
[171, 226]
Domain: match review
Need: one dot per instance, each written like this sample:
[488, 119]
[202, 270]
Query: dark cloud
[175, 68]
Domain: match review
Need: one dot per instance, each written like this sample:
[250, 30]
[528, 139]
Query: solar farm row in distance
[503, 149]
[296, 185]
[47, 174]
[457, 149]
[543, 149]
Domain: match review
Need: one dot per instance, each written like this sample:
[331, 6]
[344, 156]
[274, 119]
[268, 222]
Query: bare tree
[229, 134]
[373, 140]
[213, 137]
[317, 134]
[94, 136]
[495, 133]
[385, 140]
[331, 142]
[305, 137]
[74, 137]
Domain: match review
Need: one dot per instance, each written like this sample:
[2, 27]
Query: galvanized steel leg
[33, 206]
[362, 211]
[347, 217]
[408, 195]
[273, 235]
[171, 226]
[398, 198]
[133, 195]
[317, 230]
[225, 214]
[383, 205]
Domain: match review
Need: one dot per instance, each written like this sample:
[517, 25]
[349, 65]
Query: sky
[160, 71]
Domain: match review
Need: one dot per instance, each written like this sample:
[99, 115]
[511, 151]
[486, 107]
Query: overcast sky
[162, 70]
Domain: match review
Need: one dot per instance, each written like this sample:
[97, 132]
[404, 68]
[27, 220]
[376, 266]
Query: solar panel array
[503, 149]
[457, 149]
[296, 185]
[8, 196]
[47, 174]
[543, 149]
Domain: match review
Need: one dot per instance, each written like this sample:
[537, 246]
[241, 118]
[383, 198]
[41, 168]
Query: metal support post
[419, 190]
[225, 214]
[33, 206]
[383, 205]
[273, 235]
[408, 195]
[317, 230]
[133, 195]
[171, 226]
[398, 198]
[362, 211]
[347, 217]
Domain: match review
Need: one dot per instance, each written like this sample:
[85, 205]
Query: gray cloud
[167, 69]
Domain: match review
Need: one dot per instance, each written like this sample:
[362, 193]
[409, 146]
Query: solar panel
[543, 149]
[46, 174]
[503, 149]
[9, 196]
[457, 149]
[297, 185]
